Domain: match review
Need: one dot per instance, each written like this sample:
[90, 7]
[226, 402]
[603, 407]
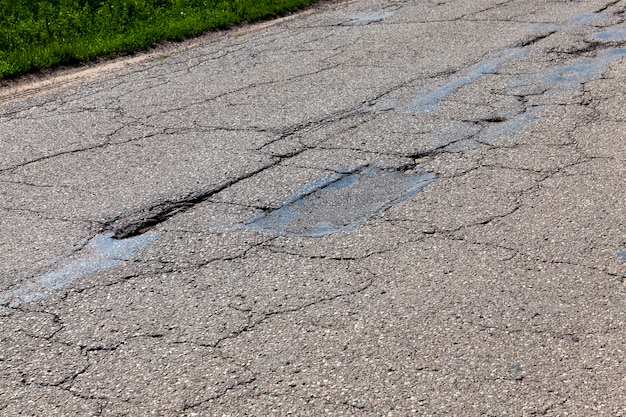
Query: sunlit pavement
[373, 208]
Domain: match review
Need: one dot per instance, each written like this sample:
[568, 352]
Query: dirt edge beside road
[30, 85]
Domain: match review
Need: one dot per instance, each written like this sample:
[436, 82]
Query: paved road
[375, 208]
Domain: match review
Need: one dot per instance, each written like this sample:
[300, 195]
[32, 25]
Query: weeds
[38, 34]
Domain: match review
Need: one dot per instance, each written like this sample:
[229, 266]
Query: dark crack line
[244, 88]
[40, 215]
[486, 9]
[269, 314]
[607, 6]
[536, 39]
[55, 155]
[518, 252]
[109, 142]
[265, 208]
[290, 131]
[244, 253]
[31, 184]
[222, 393]
[148, 218]
[159, 213]
[280, 250]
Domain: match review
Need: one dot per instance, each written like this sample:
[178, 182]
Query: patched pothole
[101, 252]
[341, 201]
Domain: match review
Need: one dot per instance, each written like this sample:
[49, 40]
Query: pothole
[339, 202]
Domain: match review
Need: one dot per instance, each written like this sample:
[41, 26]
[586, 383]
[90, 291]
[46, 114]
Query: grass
[37, 34]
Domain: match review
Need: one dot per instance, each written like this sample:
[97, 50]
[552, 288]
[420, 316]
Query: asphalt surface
[374, 208]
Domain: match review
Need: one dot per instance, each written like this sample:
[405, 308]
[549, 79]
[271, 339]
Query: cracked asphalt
[369, 208]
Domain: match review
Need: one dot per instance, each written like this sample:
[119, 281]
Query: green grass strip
[37, 34]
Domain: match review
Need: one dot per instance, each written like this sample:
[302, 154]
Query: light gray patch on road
[615, 34]
[510, 127]
[622, 255]
[462, 146]
[102, 252]
[427, 103]
[589, 18]
[564, 79]
[454, 132]
[464, 136]
[543, 28]
[339, 202]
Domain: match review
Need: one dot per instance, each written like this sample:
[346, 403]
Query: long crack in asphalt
[333, 206]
